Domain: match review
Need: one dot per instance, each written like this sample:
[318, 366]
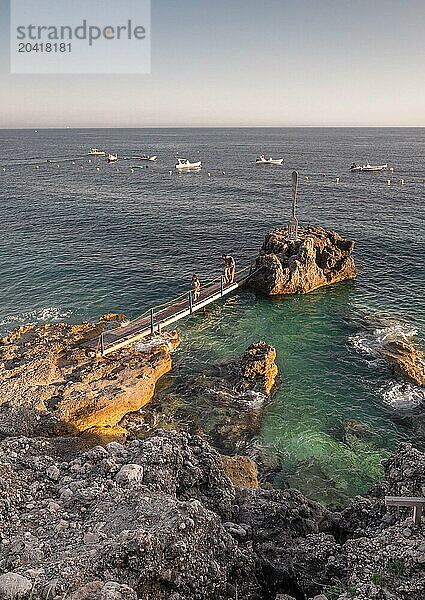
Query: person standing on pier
[229, 268]
[196, 287]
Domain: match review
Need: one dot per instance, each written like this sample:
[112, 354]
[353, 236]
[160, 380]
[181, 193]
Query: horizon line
[32, 128]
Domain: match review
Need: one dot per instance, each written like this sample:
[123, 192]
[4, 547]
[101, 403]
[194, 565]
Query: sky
[236, 63]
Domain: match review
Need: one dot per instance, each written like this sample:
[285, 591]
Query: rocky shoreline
[51, 386]
[159, 518]
[108, 492]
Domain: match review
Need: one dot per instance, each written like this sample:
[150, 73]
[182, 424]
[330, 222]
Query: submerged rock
[51, 386]
[225, 405]
[315, 259]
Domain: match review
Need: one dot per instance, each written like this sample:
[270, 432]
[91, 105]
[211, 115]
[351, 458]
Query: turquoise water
[80, 242]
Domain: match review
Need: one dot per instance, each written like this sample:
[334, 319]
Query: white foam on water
[254, 400]
[150, 344]
[379, 329]
[44, 315]
[250, 398]
[403, 395]
[365, 343]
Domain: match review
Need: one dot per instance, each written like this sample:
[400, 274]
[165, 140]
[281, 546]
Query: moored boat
[262, 160]
[112, 157]
[184, 163]
[368, 167]
[96, 152]
[150, 158]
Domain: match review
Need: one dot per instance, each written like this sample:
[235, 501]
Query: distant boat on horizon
[262, 160]
[96, 152]
[184, 163]
[368, 167]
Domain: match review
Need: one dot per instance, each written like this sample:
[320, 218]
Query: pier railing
[172, 310]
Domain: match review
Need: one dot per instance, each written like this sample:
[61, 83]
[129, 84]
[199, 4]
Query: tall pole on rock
[293, 221]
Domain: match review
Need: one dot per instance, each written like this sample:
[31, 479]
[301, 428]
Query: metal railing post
[152, 322]
[190, 302]
[222, 285]
[102, 344]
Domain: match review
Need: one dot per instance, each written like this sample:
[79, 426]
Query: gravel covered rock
[159, 519]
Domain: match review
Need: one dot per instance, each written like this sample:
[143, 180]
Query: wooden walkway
[161, 316]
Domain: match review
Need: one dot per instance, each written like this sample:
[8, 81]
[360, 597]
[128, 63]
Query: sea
[81, 238]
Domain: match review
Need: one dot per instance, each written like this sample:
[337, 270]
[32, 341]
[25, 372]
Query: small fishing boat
[150, 158]
[368, 167]
[184, 163]
[112, 157]
[96, 152]
[262, 160]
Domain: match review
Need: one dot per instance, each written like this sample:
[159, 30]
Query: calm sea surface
[80, 240]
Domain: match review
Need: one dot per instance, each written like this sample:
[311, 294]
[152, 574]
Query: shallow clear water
[79, 242]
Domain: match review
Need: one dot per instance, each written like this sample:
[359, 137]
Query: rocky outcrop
[226, 404]
[405, 361]
[258, 368]
[160, 519]
[51, 386]
[156, 519]
[241, 470]
[315, 259]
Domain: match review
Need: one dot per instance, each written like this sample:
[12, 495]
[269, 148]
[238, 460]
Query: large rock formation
[315, 259]
[50, 385]
[156, 519]
[159, 519]
[258, 368]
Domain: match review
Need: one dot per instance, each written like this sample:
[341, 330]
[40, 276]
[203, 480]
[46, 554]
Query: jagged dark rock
[317, 258]
[159, 519]
[156, 519]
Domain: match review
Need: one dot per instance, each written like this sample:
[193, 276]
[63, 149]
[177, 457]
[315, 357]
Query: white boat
[150, 158]
[184, 163]
[96, 152]
[262, 160]
[112, 157]
[368, 167]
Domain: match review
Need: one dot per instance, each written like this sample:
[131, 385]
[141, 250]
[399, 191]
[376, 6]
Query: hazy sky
[244, 63]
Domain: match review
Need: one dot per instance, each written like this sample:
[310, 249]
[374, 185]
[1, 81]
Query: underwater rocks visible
[224, 405]
[317, 258]
[405, 361]
[241, 470]
[50, 385]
